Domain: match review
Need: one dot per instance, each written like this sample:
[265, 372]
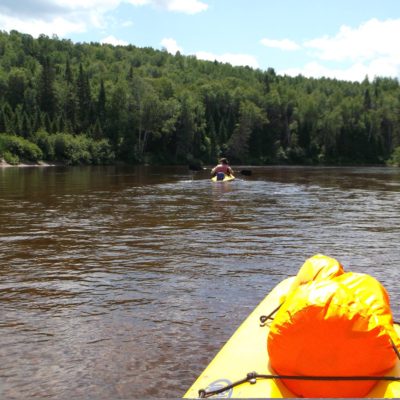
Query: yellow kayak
[227, 178]
[246, 352]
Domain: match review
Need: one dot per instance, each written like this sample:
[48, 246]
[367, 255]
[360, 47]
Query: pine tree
[84, 100]
[2, 122]
[68, 73]
[8, 119]
[27, 130]
[101, 103]
[47, 97]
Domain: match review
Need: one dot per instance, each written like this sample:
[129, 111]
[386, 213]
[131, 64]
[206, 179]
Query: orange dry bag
[317, 268]
[339, 326]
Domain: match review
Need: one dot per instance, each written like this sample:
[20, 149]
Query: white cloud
[54, 16]
[114, 41]
[371, 39]
[139, 2]
[35, 26]
[62, 17]
[385, 66]
[284, 44]
[171, 45]
[234, 59]
[354, 53]
[184, 6]
[127, 24]
[100, 5]
[355, 72]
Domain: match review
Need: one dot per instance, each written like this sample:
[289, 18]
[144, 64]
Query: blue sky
[344, 39]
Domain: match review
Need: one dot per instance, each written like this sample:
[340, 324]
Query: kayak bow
[241, 369]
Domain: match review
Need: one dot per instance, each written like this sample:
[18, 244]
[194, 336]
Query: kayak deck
[227, 178]
[246, 352]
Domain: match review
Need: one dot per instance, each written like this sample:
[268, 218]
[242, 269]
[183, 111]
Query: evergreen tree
[68, 73]
[84, 100]
[47, 96]
[101, 103]
[150, 105]
[16, 87]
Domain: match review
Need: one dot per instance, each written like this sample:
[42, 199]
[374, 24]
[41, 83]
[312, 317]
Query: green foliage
[93, 104]
[74, 150]
[10, 158]
[19, 147]
[251, 120]
[394, 160]
[101, 152]
[45, 143]
[70, 149]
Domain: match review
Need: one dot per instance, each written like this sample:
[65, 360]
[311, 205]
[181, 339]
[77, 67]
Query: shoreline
[4, 164]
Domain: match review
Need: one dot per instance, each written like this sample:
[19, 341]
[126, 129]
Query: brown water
[124, 282]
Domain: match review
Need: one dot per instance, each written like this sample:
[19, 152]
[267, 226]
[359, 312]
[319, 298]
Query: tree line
[91, 103]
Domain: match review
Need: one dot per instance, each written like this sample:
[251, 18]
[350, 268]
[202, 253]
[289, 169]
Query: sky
[342, 39]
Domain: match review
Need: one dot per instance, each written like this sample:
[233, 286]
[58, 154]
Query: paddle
[244, 172]
[196, 167]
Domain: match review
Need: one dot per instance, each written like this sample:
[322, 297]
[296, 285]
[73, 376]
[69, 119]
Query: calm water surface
[124, 282]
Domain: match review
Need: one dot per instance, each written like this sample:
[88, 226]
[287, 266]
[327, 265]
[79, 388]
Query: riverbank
[4, 164]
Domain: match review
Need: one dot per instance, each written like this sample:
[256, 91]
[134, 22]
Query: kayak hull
[227, 178]
[246, 352]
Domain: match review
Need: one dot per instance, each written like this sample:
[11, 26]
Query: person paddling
[222, 169]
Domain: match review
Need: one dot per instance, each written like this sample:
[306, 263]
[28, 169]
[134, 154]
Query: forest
[92, 103]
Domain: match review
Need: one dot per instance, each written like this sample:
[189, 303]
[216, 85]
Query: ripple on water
[111, 277]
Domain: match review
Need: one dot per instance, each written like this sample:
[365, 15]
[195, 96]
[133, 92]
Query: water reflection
[123, 282]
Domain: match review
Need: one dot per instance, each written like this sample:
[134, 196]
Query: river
[123, 282]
